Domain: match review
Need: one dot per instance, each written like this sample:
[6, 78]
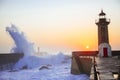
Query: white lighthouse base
[104, 50]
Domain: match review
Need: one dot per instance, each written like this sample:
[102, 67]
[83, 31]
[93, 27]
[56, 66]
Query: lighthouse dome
[102, 13]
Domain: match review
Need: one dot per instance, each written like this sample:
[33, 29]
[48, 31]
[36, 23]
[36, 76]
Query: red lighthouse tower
[103, 36]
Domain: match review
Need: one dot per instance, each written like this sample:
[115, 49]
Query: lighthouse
[104, 47]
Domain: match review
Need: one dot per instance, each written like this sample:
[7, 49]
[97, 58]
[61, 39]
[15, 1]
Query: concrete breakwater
[7, 60]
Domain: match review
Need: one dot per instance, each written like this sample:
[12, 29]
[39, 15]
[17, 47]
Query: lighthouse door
[105, 52]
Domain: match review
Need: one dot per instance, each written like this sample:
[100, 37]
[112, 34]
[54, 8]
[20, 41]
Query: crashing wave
[22, 45]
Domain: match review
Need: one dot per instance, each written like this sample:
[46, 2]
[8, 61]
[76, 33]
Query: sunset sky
[59, 25]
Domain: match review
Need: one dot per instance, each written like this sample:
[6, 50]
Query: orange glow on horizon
[83, 44]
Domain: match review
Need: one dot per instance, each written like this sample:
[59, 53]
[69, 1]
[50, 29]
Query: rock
[25, 67]
[43, 67]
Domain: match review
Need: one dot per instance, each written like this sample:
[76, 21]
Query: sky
[59, 25]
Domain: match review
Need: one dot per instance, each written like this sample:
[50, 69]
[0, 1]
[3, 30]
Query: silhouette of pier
[98, 68]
